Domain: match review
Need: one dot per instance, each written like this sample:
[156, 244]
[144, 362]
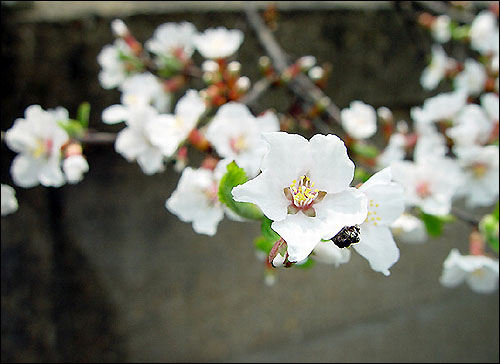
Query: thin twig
[98, 137]
[301, 85]
[464, 216]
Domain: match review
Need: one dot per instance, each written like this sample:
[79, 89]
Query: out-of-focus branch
[98, 137]
[464, 216]
[301, 85]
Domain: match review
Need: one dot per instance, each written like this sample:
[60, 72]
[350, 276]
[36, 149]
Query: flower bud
[316, 73]
[306, 62]
[119, 28]
[210, 66]
[243, 84]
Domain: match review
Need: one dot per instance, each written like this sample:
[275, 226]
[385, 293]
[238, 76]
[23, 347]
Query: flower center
[371, 216]
[211, 193]
[423, 189]
[302, 196]
[43, 148]
[478, 169]
[238, 144]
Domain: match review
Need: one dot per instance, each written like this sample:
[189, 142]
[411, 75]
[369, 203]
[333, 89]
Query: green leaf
[263, 244]
[236, 176]
[307, 264]
[434, 223]
[365, 150]
[83, 114]
[72, 127]
[267, 231]
[360, 174]
[488, 227]
[495, 212]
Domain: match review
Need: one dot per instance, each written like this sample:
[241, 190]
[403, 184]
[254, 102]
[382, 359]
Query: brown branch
[98, 137]
[301, 85]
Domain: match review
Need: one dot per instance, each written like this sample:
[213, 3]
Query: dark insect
[347, 236]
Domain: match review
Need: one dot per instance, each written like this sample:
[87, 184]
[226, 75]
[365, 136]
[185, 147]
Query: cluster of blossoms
[315, 198]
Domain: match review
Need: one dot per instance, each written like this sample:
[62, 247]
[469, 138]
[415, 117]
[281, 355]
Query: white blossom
[440, 28]
[472, 79]
[110, 58]
[444, 106]
[304, 189]
[170, 38]
[480, 166]
[38, 139]
[385, 204]
[409, 229]
[359, 120]
[483, 33]
[430, 183]
[328, 253]
[472, 126]
[74, 167]
[195, 200]
[147, 88]
[236, 135]
[9, 200]
[218, 42]
[436, 70]
[478, 271]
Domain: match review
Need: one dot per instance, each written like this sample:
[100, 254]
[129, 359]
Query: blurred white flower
[139, 141]
[489, 102]
[480, 166]
[195, 200]
[171, 38]
[148, 89]
[430, 183]
[394, 151]
[385, 204]
[483, 33]
[119, 28]
[479, 271]
[38, 139]
[218, 42]
[444, 106]
[328, 253]
[471, 126]
[440, 28]
[236, 135]
[304, 189]
[9, 200]
[74, 167]
[437, 69]
[172, 129]
[110, 58]
[359, 120]
[409, 229]
[472, 79]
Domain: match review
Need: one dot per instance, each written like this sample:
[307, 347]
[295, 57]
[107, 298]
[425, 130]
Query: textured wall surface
[101, 271]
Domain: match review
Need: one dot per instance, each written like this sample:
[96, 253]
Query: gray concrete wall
[102, 272]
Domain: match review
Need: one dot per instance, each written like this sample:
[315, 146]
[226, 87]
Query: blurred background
[100, 271]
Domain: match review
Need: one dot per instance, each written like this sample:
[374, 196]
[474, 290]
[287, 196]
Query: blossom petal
[378, 247]
[289, 155]
[24, 171]
[332, 170]
[301, 233]
[151, 161]
[115, 114]
[266, 191]
[130, 144]
[346, 208]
